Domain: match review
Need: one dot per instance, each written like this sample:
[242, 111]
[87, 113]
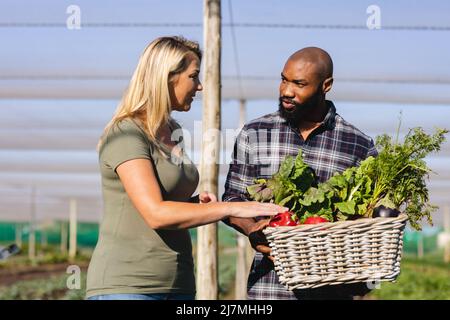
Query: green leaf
[388, 203]
[343, 193]
[341, 217]
[266, 194]
[313, 195]
[286, 200]
[260, 181]
[257, 197]
[273, 183]
[362, 209]
[253, 189]
[286, 167]
[346, 207]
[299, 166]
[337, 181]
[368, 185]
[279, 194]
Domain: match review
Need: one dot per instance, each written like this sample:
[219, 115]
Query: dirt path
[10, 276]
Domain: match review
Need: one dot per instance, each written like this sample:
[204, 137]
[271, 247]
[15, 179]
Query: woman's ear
[327, 84]
[173, 78]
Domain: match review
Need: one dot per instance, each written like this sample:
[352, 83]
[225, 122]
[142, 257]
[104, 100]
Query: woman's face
[185, 85]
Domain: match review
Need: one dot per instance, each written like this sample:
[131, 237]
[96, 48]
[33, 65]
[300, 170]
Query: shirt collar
[330, 119]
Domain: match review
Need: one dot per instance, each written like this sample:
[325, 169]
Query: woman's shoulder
[126, 126]
[125, 131]
[124, 140]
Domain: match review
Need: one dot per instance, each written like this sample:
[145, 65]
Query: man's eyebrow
[294, 80]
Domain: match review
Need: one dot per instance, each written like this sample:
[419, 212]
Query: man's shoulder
[349, 129]
[267, 121]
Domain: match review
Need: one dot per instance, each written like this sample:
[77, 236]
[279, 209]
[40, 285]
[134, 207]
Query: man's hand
[258, 240]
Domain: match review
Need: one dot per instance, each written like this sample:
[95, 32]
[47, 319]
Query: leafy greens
[395, 179]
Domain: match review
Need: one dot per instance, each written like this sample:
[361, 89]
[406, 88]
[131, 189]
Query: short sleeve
[125, 141]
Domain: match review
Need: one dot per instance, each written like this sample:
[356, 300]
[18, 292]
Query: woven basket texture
[362, 250]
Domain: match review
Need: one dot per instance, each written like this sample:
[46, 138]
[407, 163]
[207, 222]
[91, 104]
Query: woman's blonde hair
[147, 97]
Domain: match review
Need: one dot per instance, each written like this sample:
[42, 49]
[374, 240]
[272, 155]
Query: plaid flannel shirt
[260, 148]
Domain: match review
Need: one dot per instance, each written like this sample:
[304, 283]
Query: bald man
[305, 120]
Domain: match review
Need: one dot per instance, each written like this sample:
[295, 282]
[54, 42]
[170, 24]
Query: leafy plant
[343, 196]
[394, 179]
[286, 187]
[400, 173]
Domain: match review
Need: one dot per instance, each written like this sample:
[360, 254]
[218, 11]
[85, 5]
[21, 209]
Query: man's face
[300, 90]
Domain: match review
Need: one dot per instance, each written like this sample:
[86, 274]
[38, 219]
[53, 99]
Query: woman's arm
[140, 183]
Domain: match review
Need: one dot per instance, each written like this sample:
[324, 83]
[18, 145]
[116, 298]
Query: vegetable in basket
[314, 220]
[394, 180]
[287, 185]
[284, 219]
[384, 212]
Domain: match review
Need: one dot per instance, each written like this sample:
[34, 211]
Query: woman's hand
[207, 196]
[253, 209]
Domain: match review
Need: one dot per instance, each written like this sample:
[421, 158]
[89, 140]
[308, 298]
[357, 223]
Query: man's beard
[299, 111]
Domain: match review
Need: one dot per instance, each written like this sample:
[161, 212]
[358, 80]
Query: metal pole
[207, 276]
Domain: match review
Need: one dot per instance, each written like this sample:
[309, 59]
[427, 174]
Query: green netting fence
[87, 233]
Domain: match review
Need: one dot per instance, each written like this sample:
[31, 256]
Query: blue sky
[59, 87]
[394, 55]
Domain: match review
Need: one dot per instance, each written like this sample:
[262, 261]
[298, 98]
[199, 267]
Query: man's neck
[309, 122]
[316, 115]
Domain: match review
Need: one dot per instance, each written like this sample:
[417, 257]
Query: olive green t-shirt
[131, 257]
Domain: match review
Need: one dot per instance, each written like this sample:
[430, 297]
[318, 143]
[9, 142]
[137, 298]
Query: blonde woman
[144, 249]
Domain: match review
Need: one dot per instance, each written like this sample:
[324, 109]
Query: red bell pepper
[315, 220]
[282, 220]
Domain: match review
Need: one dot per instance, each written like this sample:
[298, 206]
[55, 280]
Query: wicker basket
[363, 250]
